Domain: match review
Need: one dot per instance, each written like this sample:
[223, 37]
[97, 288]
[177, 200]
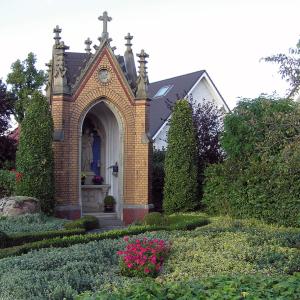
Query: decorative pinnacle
[128, 39]
[105, 18]
[88, 44]
[142, 56]
[57, 31]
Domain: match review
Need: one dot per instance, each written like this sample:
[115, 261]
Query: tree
[208, 121]
[289, 68]
[35, 155]
[180, 189]
[7, 146]
[25, 79]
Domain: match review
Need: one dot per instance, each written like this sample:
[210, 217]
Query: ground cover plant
[238, 253]
[30, 223]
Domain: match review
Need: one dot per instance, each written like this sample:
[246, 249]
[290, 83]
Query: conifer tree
[35, 154]
[180, 187]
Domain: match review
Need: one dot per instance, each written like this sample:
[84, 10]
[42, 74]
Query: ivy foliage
[261, 176]
[180, 187]
[35, 154]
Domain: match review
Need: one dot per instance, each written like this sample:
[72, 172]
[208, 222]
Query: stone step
[108, 220]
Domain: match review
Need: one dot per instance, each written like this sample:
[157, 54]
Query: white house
[164, 93]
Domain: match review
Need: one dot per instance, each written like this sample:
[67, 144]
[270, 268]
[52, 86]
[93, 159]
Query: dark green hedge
[261, 176]
[220, 287]
[86, 222]
[17, 239]
[81, 239]
[180, 185]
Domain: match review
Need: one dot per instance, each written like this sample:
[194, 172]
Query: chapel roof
[160, 107]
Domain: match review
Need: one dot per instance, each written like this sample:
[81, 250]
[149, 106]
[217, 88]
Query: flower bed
[143, 257]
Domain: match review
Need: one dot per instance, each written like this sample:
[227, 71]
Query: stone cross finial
[57, 31]
[142, 80]
[88, 44]
[128, 39]
[105, 18]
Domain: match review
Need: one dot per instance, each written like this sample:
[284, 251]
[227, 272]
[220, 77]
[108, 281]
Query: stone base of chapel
[70, 212]
[132, 213]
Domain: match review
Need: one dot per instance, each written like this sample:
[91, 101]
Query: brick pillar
[139, 206]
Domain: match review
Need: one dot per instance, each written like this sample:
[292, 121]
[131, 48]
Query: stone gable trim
[92, 71]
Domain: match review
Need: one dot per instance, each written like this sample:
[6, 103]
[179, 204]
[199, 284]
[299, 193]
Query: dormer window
[163, 91]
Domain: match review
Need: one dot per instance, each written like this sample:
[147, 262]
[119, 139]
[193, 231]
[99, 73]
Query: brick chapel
[106, 117]
[100, 110]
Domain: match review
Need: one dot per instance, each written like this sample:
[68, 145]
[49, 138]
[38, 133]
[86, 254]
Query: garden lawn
[30, 223]
[233, 254]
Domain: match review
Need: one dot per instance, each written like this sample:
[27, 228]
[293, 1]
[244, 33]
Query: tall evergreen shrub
[180, 187]
[261, 176]
[35, 154]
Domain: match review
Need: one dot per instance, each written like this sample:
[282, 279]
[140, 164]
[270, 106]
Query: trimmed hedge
[218, 287]
[86, 222]
[17, 239]
[81, 239]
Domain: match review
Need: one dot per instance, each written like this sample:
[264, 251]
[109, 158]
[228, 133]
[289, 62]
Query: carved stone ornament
[104, 75]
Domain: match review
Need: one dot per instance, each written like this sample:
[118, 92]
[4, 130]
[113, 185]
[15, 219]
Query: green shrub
[30, 223]
[180, 187]
[7, 183]
[155, 218]
[35, 155]
[86, 222]
[260, 178]
[23, 238]
[3, 239]
[109, 200]
[218, 287]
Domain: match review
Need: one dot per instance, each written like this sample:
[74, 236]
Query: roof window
[163, 91]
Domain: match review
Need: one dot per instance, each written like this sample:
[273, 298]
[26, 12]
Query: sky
[227, 38]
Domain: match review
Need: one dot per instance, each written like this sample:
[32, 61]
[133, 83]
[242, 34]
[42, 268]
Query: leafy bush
[143, 258]
[30, 223]
[260, 178]
[86, 222]
[109, 200]
[7, 183]
[218, 287]
[155, 218]
[35, 155]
